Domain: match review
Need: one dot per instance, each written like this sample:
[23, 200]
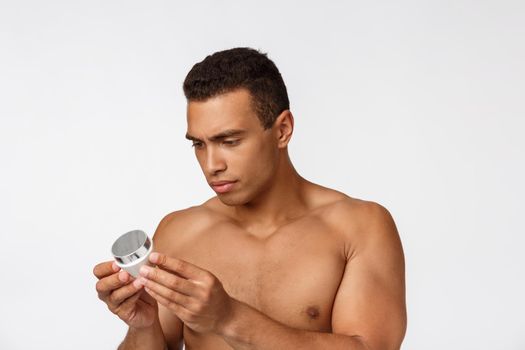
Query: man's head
[229, 70]
[239, 123]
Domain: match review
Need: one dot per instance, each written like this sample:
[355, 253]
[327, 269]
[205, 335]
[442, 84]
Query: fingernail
[115, 267]
[144, 270]
[123, 276]
[154, 257]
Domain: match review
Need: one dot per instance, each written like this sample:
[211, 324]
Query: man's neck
[278, 204]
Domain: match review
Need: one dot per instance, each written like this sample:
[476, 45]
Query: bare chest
[291, 276]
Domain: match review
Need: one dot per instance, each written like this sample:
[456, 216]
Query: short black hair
[241, 67]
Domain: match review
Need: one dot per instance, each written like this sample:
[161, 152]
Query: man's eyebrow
[191, 138]
[227, 133]
[219, 136]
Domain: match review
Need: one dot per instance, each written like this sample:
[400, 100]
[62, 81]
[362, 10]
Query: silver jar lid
[131, 246]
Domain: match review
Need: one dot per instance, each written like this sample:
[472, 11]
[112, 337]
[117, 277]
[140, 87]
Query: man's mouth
[222, 186]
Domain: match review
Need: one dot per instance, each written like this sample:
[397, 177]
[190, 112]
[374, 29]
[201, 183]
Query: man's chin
[230, 200]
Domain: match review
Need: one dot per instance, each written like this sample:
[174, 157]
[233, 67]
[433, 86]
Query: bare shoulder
[361, 223]
[362, 215]
[177, 227]
[349, 210]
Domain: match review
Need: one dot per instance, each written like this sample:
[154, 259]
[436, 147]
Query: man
[273, 261]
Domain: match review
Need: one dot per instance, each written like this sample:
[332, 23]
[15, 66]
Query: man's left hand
[193, 294]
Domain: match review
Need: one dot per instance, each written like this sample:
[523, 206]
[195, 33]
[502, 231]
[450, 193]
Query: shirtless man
[273, 261]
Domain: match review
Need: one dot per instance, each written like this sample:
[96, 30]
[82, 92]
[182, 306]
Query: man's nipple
[313, 312]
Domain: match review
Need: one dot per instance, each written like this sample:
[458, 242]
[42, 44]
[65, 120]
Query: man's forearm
[249, 329]
[151, 338]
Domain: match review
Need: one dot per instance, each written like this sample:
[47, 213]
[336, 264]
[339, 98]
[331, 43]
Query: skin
[275, 263]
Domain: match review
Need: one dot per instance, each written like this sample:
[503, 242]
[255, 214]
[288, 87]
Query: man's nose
[215, 163]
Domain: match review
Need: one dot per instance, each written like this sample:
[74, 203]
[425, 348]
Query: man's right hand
[130, 303]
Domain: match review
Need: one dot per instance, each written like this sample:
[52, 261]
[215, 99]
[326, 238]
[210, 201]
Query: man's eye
[196, 144]
[230, 142]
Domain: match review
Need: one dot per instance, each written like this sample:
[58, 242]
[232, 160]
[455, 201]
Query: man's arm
[144, 338]
[250, 329]
[166, 331]
[172, 329]
[369, 308]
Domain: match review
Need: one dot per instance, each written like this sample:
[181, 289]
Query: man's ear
[283, 128]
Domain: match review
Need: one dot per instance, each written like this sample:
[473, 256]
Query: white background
[417, 105]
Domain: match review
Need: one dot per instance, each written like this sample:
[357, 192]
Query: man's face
[237, 156]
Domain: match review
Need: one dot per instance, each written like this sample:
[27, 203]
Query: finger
[105, 269]
[180, 311]
[181, 267]
[127, 307]
[107, 284]
[169, 280]
[118, 296]
[169, 294]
